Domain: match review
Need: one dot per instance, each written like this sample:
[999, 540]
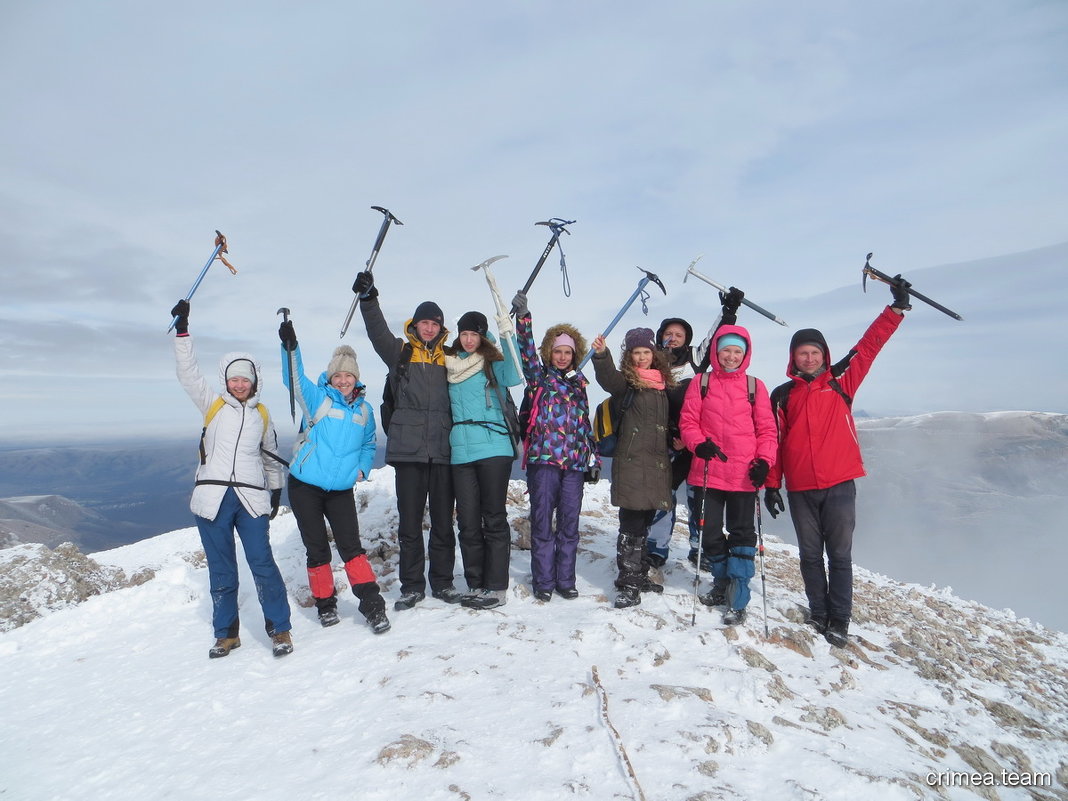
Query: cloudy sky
[782, 141]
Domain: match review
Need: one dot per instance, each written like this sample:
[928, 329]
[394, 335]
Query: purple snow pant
[824, 521]
[553, 553]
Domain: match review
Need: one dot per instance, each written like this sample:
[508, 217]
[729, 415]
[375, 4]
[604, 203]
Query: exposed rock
[408, 749]
[34, 580]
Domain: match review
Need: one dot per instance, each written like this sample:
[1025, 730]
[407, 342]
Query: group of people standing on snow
[686, 415]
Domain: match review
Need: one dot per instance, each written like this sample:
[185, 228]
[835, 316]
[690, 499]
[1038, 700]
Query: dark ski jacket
[641, 466]
[422, 415]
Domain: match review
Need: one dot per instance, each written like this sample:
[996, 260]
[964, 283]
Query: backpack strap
[265, 417]
[750, 383]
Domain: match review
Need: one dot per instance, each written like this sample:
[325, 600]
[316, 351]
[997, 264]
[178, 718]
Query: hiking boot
[449, 595]
[378, 622]
[543, 595]
[627, 597]
[837, 633]
[486, 599]
[648, 585]
[328, 617]
[223, 646]
[281, 643]
[657, 560]
[734, 617]
[470, 595]
[570, 593]
[716, 596]
[818, 622]
[408, 600]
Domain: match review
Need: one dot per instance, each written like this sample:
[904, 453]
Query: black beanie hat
[675, 321]
[473, 321]
[429, 310]
[808, 336]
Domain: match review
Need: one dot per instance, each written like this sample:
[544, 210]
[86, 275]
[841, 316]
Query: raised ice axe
[639, 292]
[370, 265]
[691, 271]
[220, 248]
[289, 369]
[504, 322]
[877, 275]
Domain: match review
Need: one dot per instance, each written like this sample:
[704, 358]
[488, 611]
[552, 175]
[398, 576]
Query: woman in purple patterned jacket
[560, 449]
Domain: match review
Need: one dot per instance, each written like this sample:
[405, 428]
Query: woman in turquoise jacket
[335, 450]
[482, 453]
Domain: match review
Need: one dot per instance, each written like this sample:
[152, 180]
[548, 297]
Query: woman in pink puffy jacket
[727, 423]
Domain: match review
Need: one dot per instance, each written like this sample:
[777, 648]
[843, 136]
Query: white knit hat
[343, 361]
[241, 368]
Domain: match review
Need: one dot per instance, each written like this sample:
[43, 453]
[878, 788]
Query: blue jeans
[824, 521]
[217, 537]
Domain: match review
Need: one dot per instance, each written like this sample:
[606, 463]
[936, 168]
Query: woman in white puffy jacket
[238, 484]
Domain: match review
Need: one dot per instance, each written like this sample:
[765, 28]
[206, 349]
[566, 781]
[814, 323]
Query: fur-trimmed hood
[551, 333]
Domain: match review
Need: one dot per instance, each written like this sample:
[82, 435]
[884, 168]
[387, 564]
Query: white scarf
[460, 369]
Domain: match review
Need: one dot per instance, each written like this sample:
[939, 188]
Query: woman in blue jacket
[482, 453]
[335, 451]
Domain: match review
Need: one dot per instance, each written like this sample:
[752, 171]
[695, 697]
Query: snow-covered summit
[116, 698]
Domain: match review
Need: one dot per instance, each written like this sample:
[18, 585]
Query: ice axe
[289, 369]
[870, 272]
[220, 248]
[691, 271]
[557, 226]
[639, 292]
[504, 322]
[370, 265]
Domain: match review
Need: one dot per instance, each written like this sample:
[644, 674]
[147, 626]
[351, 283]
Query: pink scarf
[651, 378]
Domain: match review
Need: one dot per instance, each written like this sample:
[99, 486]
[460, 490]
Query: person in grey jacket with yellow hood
[417, 444]
[238, 484]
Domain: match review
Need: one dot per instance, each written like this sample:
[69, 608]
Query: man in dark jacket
[417, 442]
[819, 454]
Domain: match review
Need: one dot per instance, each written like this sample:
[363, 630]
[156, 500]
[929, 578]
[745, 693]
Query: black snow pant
[312, 507]
[824, 521]
[420, 484]
[485, 538]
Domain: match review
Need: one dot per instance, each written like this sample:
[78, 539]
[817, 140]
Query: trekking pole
[370, 264]
[640, 291]
[289, 369]
[700, 542]
[557, 226]
[870, 272]
[691, 271]
[763, 578]
[504, 322]
[220, 248]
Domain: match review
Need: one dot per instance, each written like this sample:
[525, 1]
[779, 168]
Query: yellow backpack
[213, 410]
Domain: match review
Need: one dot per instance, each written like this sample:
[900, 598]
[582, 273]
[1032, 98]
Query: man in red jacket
[819, 454]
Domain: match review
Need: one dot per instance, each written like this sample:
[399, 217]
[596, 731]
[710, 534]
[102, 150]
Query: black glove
[708, 450]
[181, 311]
[519, 304]
[758, 472]
[288, 335]
[773, 500]
[364, 286]
[276, 499]
[900, 291]
[731, 299]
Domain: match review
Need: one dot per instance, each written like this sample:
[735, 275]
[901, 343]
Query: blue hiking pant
[824, 521]
[217, 537]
